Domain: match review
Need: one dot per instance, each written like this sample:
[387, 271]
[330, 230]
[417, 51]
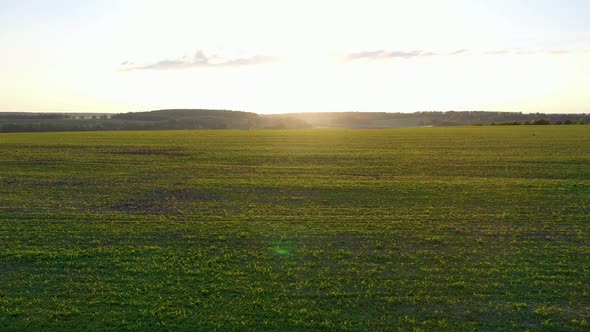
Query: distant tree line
[451, 118]
[173, 119]
[542, 121]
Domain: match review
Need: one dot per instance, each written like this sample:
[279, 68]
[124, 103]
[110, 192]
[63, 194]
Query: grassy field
[470, 228]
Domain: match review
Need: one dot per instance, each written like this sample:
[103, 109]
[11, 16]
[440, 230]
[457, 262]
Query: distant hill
[153, 120]
[211, 119]
[171, 119]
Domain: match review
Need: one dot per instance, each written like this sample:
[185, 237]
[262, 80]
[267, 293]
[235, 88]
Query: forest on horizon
[204, 119]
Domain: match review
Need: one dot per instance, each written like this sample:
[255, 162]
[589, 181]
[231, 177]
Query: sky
[295, 56]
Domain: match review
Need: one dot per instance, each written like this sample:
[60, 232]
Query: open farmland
[471, 228]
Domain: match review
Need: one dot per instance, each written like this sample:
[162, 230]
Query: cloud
[529, 52]
[429, 54]
[498, 52]
[383, 55]
[255, 60]
[199, 60]
[559, 52]
[461, 52]
[512, 52]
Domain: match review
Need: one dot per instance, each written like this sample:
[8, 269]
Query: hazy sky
[294, 56]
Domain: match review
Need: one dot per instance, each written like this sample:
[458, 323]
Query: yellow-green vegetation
[471, 228]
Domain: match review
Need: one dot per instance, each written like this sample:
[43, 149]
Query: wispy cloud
[498, 52]
[384, 55]
[461, 52]
[199, 60]
[559, 52]
[387, 55]
[529, 52]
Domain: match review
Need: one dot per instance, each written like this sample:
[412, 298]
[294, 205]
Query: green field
[465, 228]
